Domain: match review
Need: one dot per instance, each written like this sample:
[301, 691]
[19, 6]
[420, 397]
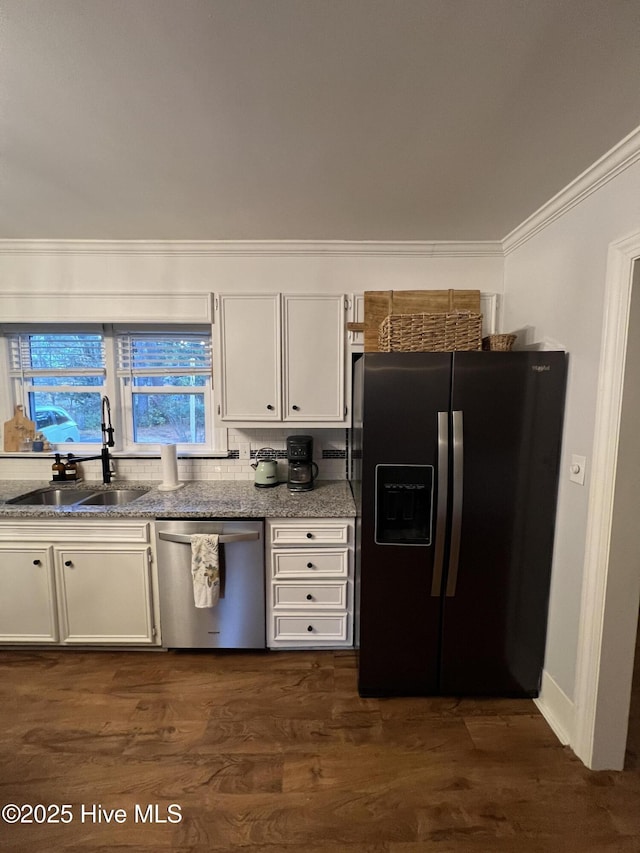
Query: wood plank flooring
[276, 753]
[632, 761]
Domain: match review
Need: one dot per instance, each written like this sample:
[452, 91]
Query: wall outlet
[245, 452]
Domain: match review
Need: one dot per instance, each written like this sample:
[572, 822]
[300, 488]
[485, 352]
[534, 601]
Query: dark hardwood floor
[276, 753]
[632, 761]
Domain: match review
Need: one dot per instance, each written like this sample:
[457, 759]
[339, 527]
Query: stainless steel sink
[51, 497]
[82, 497]
[113, 497]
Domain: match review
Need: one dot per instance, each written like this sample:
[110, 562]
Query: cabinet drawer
[311, 629]
[329, 532]
[331, 595]
[310, 563]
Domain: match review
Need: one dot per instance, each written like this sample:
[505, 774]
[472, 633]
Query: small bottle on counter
[71, 469]
[38, 443]
[58, 469]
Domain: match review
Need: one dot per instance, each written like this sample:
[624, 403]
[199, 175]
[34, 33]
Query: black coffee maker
[302, 470]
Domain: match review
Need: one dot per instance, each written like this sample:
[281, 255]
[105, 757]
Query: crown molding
[253, 248]
[616, 160]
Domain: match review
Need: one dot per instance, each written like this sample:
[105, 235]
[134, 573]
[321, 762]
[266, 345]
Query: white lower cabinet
[310, 583]
[27, 595]
[104, 596]
[83, 583]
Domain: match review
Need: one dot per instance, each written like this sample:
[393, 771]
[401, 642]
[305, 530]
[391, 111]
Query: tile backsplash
[329, 451]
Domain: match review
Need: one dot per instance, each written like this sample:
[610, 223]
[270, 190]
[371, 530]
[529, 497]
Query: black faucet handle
[107, 435]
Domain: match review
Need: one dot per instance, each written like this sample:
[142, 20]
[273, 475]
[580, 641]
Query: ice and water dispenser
[404, 501]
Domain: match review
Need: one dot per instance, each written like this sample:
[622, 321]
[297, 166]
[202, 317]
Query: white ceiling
[304, 119]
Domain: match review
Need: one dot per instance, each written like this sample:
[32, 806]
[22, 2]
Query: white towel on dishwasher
[205, 569]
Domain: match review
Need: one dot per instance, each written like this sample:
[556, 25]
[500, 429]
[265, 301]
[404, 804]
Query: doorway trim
[601, 721]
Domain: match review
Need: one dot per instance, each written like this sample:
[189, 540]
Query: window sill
[119, 454]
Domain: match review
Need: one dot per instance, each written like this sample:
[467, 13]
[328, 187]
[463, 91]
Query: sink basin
[83, 497]
[113, 497]
[50, 497]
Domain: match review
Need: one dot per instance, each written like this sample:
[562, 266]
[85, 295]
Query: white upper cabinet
[248, 357]
[280, 358]
[313, 358]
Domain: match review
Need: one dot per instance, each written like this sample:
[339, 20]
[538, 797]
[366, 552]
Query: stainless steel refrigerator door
[238, 619]
[495, 609]
[399, 615]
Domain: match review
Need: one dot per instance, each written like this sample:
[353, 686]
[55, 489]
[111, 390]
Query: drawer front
[310, 563]
[311, 629]
[329, 532]
[331, 595]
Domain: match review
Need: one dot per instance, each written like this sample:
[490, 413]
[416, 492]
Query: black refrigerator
[455, 460]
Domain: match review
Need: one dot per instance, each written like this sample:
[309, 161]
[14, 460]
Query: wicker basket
[498, 343]
[443, 332]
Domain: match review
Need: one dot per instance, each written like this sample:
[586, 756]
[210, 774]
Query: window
[60, 379]
[158, 380]
[166, 383]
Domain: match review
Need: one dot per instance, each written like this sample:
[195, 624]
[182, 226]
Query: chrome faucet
[107, 442]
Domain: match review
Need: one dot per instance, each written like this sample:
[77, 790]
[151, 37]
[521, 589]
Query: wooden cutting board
[17, 429]
[378, 304]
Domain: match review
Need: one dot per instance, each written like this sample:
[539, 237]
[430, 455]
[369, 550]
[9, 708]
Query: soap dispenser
[71, 469]
[58, 469]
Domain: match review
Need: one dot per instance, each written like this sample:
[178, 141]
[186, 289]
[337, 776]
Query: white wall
[554, 285]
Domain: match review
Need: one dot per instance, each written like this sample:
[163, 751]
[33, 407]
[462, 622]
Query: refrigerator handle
[456, 507]
[441, 509]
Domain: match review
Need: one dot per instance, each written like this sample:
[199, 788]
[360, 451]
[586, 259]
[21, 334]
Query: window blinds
[64, 354]
[149, 353]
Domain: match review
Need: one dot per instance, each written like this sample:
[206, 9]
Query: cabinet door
[104, 595]
[314, 358]
[249, 357]
[27, 596]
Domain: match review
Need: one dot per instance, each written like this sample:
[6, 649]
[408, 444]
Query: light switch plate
[577, 469]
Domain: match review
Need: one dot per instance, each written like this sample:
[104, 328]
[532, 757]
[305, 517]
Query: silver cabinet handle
[441, 509]
[223, 538]
[456, 508]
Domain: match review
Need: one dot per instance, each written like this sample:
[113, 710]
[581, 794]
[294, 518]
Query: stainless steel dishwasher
[238, 619]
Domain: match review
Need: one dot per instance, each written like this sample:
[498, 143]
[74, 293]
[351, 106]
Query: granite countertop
[201, 499]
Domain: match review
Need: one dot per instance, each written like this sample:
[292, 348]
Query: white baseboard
[557, 709]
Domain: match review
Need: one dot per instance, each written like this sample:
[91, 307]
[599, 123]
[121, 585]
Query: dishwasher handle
[223, 538]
